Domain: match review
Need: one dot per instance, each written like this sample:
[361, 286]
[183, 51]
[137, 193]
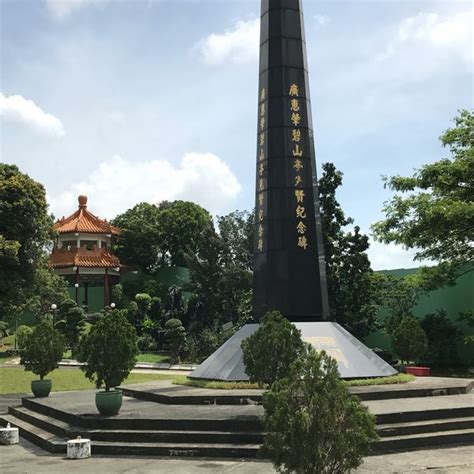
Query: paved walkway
[27, 458]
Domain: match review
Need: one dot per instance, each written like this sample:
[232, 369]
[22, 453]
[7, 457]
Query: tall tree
[26, 230]
[352, 285]
[434, 210]
[155, 236]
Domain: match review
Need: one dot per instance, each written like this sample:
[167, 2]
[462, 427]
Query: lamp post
[54, 308]
[76, 286]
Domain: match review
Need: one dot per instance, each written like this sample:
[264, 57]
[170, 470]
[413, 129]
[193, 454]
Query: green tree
[21, 336]
[43, 349]
[175, 336]
[353, 287]
[434, 210]
[71, 324]
[109, 351]
[26, 230]
[117, 296]
[237, 233]
[269, 352]
[312, 422]
[409, 341]
[143, 301]
[442, 336]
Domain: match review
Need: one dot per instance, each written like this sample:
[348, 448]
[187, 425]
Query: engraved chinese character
[261, 169]
[263, 94]
[260, 245]
[260, 184]
[294, 90]
[261, 155]
[299, 194]
[297, 151]
[294, 105]
[301, 227]
[262, 139]
[298, 165]
[300, 212]
[295, 135]
[298, 180]
[260, 215]
[303, 242]
[295, 118]
[260, 230]
[262, 123]
[262, 110]
[260, 199]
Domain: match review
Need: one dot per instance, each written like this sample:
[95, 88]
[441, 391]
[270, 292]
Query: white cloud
[62, 9]
[17, 108]
[392, 257]
[238, 46]
[322, 20]
[118, 184]
[454, 32]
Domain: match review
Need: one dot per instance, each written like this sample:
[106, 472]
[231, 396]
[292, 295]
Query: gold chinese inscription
[261, 169]
[297, 153]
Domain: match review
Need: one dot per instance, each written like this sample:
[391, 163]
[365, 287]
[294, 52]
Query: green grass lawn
[17, 380]
[154, 358]
[393, 379]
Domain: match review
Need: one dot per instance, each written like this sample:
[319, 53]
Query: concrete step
[42, 438]
[65, 430]
[429, 426]
[423, 440]
[176, 449]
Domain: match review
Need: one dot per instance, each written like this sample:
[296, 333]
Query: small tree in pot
[40, 353]
[109, 353]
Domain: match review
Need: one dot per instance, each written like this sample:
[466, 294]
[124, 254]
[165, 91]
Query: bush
[442, 337]
[409, 340]
[175, 336]
[43, 349]
[269, 352]
[109, 350]
[313, 424]
[21, 334]
[146, 343]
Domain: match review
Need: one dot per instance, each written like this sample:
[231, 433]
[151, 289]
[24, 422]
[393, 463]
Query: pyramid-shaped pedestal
[355, 359]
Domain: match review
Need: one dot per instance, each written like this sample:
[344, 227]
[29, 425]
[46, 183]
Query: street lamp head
[54, 306]
[112, 305]
[76, 285]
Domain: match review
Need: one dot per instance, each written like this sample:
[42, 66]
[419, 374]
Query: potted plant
[40, 353]
[109, 353]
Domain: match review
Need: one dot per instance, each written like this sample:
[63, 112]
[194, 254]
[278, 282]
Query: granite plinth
[354, 358]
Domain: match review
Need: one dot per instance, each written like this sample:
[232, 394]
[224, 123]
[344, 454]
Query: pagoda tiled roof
[82, 257]
[83, 221]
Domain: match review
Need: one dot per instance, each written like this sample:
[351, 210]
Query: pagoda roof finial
[82, 201]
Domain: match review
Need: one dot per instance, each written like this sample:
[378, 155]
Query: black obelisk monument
[289, 268]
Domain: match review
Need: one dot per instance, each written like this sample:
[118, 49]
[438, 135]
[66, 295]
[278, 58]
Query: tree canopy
[353, 288]
[433, 211]
[155, 236]
[26, 230]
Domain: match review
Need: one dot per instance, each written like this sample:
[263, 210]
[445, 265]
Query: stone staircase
[225, 431]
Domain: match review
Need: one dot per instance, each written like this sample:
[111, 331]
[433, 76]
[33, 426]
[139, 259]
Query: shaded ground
[26, 457]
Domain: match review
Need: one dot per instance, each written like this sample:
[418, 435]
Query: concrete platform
[164, 391]
[149, 428]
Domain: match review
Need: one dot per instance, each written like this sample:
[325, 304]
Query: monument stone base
[355, 359]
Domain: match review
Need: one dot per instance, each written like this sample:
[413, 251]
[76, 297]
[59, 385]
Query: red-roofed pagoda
[83, 255]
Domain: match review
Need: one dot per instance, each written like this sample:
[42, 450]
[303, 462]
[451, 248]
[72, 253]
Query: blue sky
[131, 101]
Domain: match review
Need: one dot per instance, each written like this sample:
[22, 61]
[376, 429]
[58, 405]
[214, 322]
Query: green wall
[454, 299]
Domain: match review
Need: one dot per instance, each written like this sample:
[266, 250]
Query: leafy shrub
[146, 343]
[21, 334]
[269, 352]
[409, 340]
[43, 349]
[442, 337]
[109, 350]
[312, 422]
[175, 336]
